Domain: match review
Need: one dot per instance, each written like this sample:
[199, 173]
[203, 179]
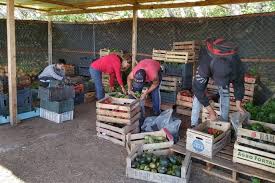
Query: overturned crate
[190, 46]
[254, 148]
[116, 133]
[132, 140]
[200, 142]
[177, 57]
[131, 172]
[118, 110]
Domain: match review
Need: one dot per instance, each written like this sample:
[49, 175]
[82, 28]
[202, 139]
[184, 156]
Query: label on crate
[255, 158]
[198, 146]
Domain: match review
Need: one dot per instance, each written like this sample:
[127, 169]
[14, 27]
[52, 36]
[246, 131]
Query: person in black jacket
[218, 60]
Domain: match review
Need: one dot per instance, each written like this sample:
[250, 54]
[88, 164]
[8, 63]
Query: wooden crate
[186, 46]
[116, 133]
[170, 83]
[132, 140]
[205, 144]
[249, 79]
[184, 103]
[163, 106]
[120, 110]
[177, 57]
[105, 51]
[69, 70]
[157, 177]
[256, 149]
[89, 97]
[159, 55]
[222, 166]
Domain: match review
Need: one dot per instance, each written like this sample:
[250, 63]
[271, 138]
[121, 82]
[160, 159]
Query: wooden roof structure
[62, 7]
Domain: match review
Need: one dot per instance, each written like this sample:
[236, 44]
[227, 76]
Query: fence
[255, 35]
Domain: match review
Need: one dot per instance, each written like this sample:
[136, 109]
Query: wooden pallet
[177, 57]
[159, 55]
[222, 165]
[157, 177]
[120, 110]
[254, 148]
[132, 140]
[170, 83]
[116, 133]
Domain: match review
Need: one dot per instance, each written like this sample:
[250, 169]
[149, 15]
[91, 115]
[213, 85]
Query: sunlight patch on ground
[6, 176]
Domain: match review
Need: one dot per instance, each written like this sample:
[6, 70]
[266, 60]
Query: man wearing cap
[218, 60]
[146, 71]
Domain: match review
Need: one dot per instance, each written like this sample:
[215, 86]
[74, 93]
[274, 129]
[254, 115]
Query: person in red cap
[219, 60]
[110, 64]
[146, 71]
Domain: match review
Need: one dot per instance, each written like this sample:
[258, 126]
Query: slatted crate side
[157, 177]
[116, 134]
[170, 83]
[205, 144]
[187, 45]
[184, 98]
[105, 51]
[176, 57]
[254, 157]
[121, 104]
[159, 55]
[249, 90]
[132, 140]
[250, 79]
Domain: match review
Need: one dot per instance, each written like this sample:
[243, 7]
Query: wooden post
[11, 62]
[50, 41]
[134, 38]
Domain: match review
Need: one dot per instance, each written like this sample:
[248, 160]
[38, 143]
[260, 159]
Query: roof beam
[157, 6]
[61, 4]
[25, 7]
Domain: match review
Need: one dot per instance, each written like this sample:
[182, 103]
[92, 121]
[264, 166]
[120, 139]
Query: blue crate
[24, 102]
[79, 99]
[58, 107]
[86, 61]
[168, 97]
[83, 71]
[56, 93]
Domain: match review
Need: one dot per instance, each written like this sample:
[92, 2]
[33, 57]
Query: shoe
[193, 126]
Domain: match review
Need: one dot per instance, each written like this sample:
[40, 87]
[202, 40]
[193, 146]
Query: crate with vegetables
[118, 110]
[255, 145]
[116, 133]
[150, 140]
[184, 102]
[69, 70]
[158, 166]
[208, 138]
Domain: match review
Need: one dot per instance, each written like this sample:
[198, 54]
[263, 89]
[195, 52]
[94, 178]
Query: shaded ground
[39, 151]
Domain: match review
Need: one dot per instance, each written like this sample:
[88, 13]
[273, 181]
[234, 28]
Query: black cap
[139, 79]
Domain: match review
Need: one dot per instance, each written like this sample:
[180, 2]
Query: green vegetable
[142, 166]
[257, 127]
[255, 180]
[162, 169]
[152, 165]
[164, 161]
[178, 172]
[147, 168]
[154, 170]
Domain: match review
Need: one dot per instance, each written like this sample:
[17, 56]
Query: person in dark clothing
[52, 72]
[218, 60]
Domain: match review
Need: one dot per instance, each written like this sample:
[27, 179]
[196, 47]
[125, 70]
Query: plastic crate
[79, 99]
[4, 104]
[55, 117]
[83, 71]
[56, 93]
[86, 61]
[89, 86]
[58, 107]
[168, 97]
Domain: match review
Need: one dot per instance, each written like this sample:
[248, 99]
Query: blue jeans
[97, 78]
[224, 106]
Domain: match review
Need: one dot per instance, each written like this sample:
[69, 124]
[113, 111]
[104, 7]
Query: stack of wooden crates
[116, 117]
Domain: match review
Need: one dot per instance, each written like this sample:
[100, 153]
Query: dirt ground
[40, 151]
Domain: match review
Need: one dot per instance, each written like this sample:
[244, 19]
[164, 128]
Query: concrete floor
[40, 151]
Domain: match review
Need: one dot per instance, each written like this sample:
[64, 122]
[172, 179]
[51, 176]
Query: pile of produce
[265, 113]
[214, 132]
[151, 139]
[169, 164]
[118, 95]
[259, 128]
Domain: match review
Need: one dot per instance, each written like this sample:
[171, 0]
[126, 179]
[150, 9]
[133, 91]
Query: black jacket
[222, 71]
